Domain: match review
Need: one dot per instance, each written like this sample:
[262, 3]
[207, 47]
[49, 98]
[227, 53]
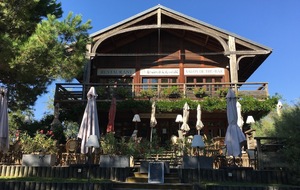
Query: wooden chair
[221, 160]
[71, 156]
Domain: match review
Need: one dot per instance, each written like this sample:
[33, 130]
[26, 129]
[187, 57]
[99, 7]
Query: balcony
[76, 92]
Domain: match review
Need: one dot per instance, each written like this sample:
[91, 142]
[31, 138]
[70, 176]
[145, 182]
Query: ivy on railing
[209, 104]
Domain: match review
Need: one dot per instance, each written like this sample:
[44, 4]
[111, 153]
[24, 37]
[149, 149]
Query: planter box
[38, 160]
[118, 161]
[192, 162]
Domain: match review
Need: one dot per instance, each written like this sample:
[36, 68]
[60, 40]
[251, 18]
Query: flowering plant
[39, 143]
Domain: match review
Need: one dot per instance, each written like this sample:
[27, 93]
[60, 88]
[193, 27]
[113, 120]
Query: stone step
[143, 178]
[138, 174]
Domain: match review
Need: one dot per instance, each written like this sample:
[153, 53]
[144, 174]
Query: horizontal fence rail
[77, 91]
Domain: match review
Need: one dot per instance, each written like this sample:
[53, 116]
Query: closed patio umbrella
[4, 137]
[240, 120]
[111, 116]
[185, 117]
[234, 136]
[199, 124]
[153, 121]
[89, 124]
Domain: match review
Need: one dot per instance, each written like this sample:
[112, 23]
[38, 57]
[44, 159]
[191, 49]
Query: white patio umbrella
[240, 120]
[153, 121]
[185, 117]
[279, 108]
[234, 136]
[199, 124]
[89, 124]
[4, 137]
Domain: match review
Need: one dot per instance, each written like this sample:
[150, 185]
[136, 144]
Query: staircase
[140, 181]
[167, 156]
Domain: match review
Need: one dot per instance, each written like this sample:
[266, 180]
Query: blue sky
[275, 24]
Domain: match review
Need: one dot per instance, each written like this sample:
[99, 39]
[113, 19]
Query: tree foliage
[286, 126]
[36, 48]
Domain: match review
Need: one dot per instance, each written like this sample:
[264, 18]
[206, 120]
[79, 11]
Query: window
[157, 81]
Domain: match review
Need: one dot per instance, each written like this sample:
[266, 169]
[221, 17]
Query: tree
[36, 48]
[288, 127]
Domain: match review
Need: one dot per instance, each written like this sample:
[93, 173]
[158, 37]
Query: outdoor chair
[252, 158]
[71, 156]
[220, 159]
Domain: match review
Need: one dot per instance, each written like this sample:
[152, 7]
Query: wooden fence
[120, 174]
[236, 175]
[270, 179]
[76, 171]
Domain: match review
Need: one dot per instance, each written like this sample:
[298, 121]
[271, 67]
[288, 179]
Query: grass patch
[242, 184]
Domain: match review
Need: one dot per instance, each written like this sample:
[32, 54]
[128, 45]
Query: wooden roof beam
[248, 52]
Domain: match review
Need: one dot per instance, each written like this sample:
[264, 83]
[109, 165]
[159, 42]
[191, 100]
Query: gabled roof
[250, 55]
[181, 15]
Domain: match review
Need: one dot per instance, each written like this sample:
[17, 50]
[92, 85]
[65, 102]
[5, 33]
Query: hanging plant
[199, 92]
[222, 92]
[171, 92]
[148, 93]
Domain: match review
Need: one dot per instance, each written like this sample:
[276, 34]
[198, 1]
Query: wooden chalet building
[157, 49]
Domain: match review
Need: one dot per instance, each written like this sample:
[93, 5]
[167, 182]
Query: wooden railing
[77, 92]
[269, 153]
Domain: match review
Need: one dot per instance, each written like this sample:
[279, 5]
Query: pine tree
[36, 48]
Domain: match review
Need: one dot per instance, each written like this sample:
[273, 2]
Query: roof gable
[169, 16]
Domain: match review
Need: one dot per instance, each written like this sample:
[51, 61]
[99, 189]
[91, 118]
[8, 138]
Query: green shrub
[39, 143]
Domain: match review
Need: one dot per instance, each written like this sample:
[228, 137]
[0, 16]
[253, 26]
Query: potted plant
[115, 152]
[172, 92]
[149, 93]
[38, 150]
[199, 92]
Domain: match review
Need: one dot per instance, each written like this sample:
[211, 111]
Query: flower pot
[174, 95]
[200, 95]
[38, 160]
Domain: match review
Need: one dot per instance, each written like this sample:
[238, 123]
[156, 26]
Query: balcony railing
[77, 92]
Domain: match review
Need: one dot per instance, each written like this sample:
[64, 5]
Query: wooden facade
[159, 48]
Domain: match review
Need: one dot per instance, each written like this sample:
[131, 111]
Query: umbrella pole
[198, 164]
[151, 135]
[89, 169]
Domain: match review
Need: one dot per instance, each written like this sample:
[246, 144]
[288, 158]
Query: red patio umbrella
[111, 116]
